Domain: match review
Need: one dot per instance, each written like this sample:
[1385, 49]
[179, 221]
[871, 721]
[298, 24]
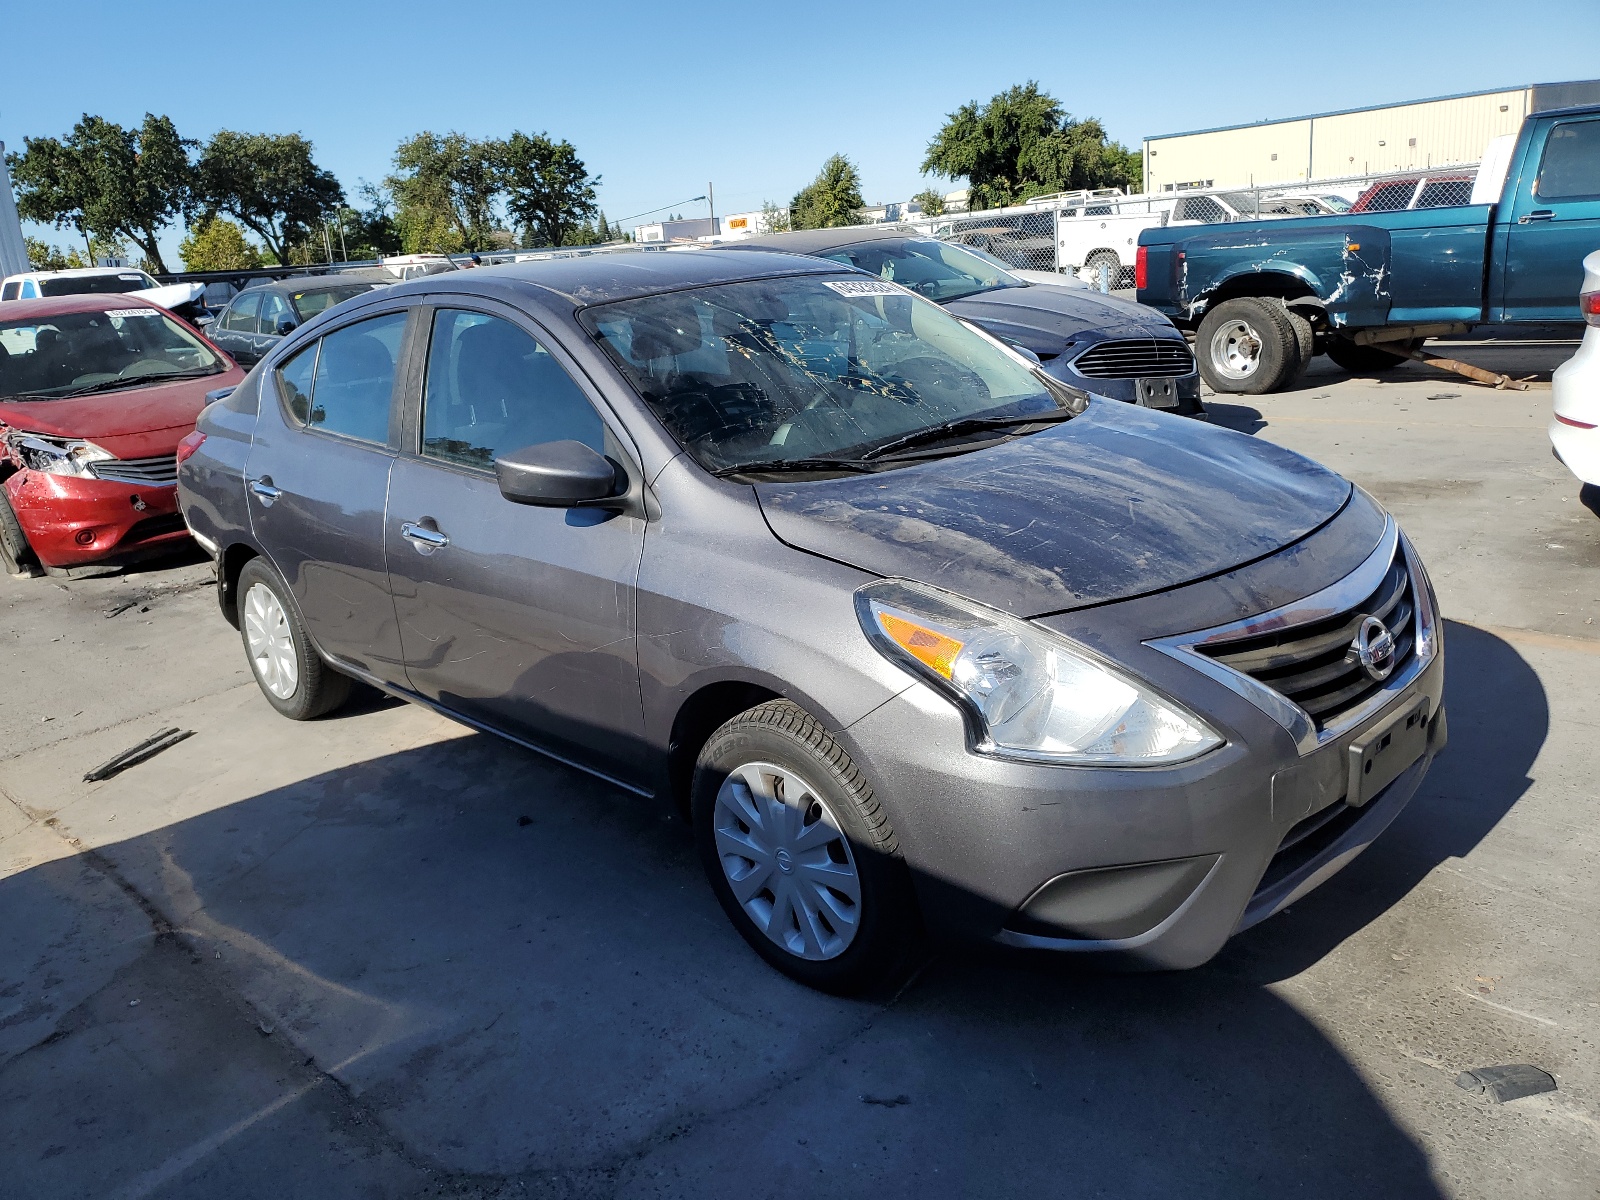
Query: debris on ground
[117, 610]
[1511, 1082]
[134, 755]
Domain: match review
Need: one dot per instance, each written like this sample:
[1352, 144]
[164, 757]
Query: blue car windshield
[811, 367]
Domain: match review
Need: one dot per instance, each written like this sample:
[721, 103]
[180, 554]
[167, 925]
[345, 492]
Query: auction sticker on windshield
[863, 287]
[132, 312]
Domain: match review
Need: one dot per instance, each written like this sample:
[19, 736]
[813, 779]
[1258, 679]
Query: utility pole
[711, 203]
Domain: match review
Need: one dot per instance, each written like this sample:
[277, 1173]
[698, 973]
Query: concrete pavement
[380, 955]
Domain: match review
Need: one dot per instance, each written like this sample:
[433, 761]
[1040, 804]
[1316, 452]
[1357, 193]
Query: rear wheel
[1368, 360]
[16, 555]
[1112, 264]
[290, 673]
[1247, 346]
[800, 854]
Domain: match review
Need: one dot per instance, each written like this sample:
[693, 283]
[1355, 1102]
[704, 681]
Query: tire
[275, 643]
[805, 859]
[1305, 341]
[1367, 360]
[16, 556]
[1247, 347]
[1113, 265]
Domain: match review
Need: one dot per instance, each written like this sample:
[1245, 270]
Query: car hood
[1115, 503]
[133, 423]
[1046, 318]
[171, 295]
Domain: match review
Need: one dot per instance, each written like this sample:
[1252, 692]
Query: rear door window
[1570, 169]
[344, 382]
[492, 389]
[10, 290]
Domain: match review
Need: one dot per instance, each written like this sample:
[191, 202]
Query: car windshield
[309, 304]
[930, 268]
[46, 358]
[79, 285]
[811, 367]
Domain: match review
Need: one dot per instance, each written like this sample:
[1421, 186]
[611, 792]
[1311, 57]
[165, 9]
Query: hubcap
[266, 634]
[1236, 350]
[789, 865]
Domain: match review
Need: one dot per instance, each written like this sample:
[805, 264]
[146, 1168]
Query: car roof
[316, 283]
[815, 241]
[51, 306]
[620, 275]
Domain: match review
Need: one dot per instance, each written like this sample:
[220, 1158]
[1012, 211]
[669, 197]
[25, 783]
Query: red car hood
[130, 423]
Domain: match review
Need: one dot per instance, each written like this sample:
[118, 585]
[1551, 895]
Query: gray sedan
[922, 641]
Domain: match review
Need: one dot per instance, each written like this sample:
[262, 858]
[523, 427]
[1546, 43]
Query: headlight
[59, 456]
[1029, 693]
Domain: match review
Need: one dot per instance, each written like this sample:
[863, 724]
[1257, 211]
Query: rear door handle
[263, 488]
[1538, 214]
[424, 539]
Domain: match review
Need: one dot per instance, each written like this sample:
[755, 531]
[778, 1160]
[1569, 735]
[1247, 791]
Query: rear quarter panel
[211, 492]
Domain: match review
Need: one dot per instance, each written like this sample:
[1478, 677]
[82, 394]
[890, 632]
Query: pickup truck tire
[1112, 264]
[1248, 347]
[1305, 340]
[1367, 360]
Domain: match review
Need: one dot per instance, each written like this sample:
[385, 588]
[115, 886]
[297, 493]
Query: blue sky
[659, 99]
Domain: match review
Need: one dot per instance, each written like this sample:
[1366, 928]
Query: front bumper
[70, 521]
[1172, 861]
[1186, 388]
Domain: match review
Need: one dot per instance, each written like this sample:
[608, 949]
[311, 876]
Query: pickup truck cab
[1367, 288]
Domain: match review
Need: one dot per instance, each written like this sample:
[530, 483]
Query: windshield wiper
[122, 381]
[795, 464]
[936, 433]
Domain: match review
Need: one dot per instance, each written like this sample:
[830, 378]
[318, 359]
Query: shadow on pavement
[516, 976]
[1231, 415]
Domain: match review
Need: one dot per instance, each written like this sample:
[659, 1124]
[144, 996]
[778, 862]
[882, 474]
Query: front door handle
[1538, 214]
[426, 540]
[265, 491]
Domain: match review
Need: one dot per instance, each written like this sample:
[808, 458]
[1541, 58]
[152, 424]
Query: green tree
[832, 198]
[1021, 144]
[445, 188]
[549, 191]
[270, 184]
[45, 257]
[218, 244]
[108, 182]
[931, 201]
[773, 218]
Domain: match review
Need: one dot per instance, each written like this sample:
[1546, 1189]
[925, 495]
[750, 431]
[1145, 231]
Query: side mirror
[557, 475]
[203, 320]
[286, 326]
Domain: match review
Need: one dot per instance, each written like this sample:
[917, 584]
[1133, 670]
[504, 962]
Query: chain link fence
[1095, 234]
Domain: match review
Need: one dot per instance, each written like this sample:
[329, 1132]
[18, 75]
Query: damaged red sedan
[95, 395]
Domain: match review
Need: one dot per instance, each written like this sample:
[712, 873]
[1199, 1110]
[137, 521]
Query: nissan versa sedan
[919, 638]
[96, 392]
[1102, 344]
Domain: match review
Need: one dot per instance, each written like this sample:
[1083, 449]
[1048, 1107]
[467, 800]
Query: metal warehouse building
[1420, 134]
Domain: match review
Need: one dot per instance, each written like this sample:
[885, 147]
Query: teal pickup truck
[1264, 298]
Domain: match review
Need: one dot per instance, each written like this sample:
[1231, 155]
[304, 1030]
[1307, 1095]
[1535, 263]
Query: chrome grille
[1135, 358]
[155, 472]
[1315, 665]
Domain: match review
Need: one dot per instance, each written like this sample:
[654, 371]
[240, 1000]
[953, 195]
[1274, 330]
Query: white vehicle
[36, 285]
[1105, 229]
[1575, 392]
[415, 266]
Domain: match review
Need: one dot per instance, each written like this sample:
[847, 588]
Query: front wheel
[16, 556]
[1247, 346]
[800, 853]
[287, 667]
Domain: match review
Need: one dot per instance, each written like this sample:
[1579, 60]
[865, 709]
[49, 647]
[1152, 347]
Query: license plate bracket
[1378, 757]
[1157, 393]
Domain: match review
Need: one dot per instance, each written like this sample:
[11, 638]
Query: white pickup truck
[183, 298]
[1104, 230]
